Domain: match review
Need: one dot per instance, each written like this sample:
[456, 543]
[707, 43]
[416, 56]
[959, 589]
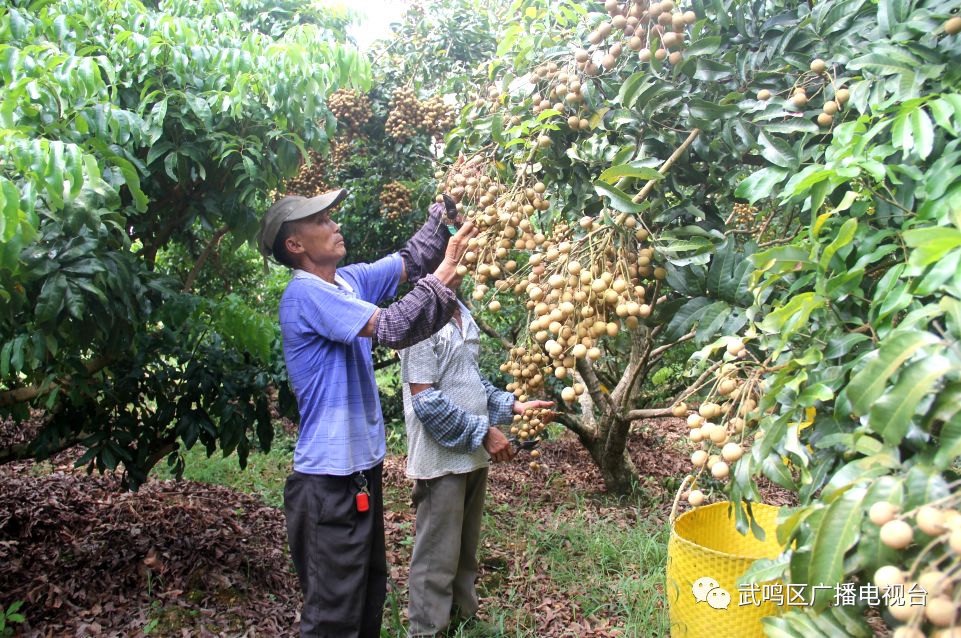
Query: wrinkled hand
[520, 408]
[498, 446]
[456, 247]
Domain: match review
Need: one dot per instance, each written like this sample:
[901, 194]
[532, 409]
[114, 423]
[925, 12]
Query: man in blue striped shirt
[328, 318]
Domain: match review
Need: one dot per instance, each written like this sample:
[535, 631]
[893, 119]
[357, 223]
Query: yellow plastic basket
[705, 544]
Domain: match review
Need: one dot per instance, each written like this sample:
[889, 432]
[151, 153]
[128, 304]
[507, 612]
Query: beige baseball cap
[291, 208]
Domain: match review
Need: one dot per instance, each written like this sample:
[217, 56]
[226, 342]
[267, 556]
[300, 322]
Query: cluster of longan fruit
[561, 91]
[720, 419]
[350, 107]
[438, 116]
[938, 525]
[579, 290]
[310, 181]
[395, 200]
[491, 97]
[819, 80]
[582, 282]
[744, 214]
[405, 114]
[408, 115]
[642, 25]
[530, 426]
[339, 153]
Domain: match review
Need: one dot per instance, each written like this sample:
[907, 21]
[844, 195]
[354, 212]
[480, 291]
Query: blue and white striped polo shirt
[330, 368]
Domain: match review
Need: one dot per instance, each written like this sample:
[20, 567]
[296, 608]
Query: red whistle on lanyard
[363, 501]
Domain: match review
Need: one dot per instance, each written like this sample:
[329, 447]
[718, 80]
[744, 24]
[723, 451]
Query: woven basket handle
[677, 497]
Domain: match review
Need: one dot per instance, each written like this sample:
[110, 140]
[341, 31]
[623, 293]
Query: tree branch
[666, 166]
[698, 384]
[657, 352]
[621, 391]
[617, 436]
[164, 233]
[647, 413]
[24, 451]
[573, 424]
[489, 330]
[22, 395]
[588, 418]
[386, 363]
[593, 386]
[213, 243]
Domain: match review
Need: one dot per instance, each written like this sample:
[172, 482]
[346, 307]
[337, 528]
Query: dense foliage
[147, 141]
[828, 302]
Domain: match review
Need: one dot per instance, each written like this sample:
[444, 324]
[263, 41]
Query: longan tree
[774, 184]
[128, 155]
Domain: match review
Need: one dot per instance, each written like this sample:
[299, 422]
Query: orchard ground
[207, 556]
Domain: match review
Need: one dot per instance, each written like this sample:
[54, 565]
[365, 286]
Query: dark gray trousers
[443, 568]
[339, 553]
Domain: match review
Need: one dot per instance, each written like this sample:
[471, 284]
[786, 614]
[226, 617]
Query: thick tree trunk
[617, 469]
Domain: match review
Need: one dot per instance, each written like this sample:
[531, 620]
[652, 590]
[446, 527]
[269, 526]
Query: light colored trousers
[443, 569]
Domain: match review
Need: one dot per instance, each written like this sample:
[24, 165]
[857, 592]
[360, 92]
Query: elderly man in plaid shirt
[328, 318]
[451, 411]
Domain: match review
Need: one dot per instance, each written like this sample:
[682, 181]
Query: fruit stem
[924, 552]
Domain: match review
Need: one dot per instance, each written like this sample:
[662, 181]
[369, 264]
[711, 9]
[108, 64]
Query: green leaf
[949, 447]
[132, 179]
[157, 150]
[793, 125]
[931, 244]
[923, 486]
[867, 385]
[837, 533]
[710, 111]
[685, 317]
[704, 46]
[923, 132]
[760, 184]
[709, 70]
[686, 280]
[777, 472]
[777, 151]
[619, 200]
[789, 318]
[710, 321]
[841, 346]
[614, 173]
[52, 298]
[891, 414]
[843, 237]
[765, 570]
[631, 87]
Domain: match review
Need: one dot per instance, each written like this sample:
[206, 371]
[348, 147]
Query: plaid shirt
[417, 315]
[454, 428]
[425, 250]
[447, 423]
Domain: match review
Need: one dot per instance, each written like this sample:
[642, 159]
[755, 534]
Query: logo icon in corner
[708, 590]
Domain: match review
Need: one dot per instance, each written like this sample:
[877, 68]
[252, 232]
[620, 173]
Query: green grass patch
[609, 568]
[265, 475]
[602, 560]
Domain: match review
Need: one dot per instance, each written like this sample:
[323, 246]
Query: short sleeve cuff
[368, 312]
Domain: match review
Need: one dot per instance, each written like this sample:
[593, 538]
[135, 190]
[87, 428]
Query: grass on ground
[265, 474]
